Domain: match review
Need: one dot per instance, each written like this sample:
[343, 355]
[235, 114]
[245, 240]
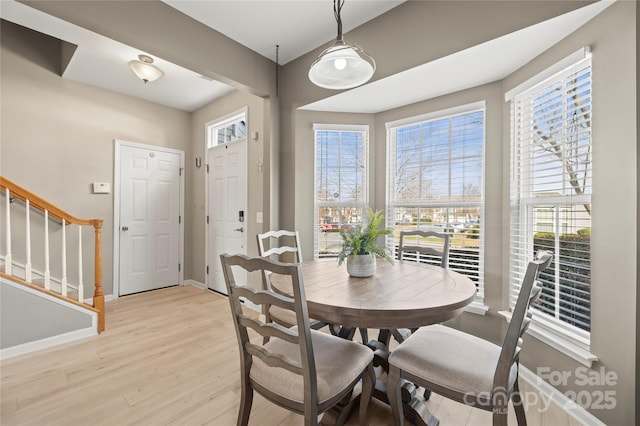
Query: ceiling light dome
[343, 65]
[144, 68]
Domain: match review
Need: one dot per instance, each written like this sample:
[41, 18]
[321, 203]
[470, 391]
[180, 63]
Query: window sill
[476, 307]
[557, 341]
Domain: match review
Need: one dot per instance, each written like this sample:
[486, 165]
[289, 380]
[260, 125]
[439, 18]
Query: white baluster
[27, 267]
[80, 285]
[8, 261]
[47, 271]
[63, 282]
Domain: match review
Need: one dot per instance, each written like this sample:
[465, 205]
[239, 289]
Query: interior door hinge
[207, 219]
[207, 168]
[179, 219]
[180, 171]
[179, 266]
[207, 269]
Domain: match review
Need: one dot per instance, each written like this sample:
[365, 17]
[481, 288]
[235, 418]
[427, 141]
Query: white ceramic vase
[361, 265]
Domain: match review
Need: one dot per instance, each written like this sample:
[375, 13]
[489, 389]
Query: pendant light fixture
[145, 69]
[343, 65]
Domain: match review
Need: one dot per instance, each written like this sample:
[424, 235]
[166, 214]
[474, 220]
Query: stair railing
[14, 192]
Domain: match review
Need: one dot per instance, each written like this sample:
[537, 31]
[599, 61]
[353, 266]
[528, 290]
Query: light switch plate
[101, 188]
[259, 217]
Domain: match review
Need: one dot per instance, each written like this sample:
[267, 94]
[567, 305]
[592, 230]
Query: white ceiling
[296, 26]
[102, 62]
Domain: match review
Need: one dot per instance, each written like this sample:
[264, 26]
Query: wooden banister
[54, 212]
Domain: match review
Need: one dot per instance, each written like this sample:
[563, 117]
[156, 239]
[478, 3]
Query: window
[228, 130]
[341, 190]
[551, 196]
[436, 182]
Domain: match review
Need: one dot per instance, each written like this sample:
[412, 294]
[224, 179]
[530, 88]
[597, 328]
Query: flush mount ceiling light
[145, 69]
[343, 65]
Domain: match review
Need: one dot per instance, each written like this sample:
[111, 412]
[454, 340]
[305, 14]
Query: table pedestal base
[415, 410]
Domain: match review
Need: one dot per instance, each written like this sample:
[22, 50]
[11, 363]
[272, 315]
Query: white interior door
[149, 219]
[227, 207]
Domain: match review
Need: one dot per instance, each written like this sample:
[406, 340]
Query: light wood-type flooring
[168, 357]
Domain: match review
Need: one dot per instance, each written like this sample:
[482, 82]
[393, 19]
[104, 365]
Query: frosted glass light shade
[144, 69]
[342, 66]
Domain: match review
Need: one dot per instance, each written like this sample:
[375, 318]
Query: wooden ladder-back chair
[431, 250]
[284, 246]
[303, 370]
[464, 367]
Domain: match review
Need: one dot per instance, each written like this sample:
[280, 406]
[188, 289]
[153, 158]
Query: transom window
[227, 130]
[341, 191]
[551, 196]
[436, 182]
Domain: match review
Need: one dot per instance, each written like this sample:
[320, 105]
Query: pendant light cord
[277, 70]
[337, 7]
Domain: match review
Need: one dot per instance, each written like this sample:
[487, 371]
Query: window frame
[360, 204]
[477, 305]
[559, 334]
[232, 120]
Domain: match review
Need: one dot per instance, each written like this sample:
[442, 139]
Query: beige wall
[614, 237]
[612, 38]
[57, 135]
[256, 180]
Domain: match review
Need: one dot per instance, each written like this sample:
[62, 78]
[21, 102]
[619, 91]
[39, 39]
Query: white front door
[227, 207]
[149, 219]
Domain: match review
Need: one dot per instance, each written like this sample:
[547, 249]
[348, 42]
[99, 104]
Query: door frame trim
[219, 120]
[118, 143]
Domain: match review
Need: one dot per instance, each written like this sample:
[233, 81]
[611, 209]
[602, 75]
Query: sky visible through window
[440, 159]
[340, 167]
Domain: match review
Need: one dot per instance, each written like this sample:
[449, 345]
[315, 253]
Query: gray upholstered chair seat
[338, 363]
[452, 359]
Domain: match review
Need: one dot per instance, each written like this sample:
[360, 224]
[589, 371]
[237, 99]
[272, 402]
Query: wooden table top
[399, 295]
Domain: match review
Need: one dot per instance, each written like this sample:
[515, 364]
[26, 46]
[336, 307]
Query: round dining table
[404, 294]
[401, 295]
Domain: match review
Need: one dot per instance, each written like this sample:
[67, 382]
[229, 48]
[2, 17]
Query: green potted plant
[359, 245]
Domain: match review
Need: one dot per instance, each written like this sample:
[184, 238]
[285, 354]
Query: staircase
[56, 268]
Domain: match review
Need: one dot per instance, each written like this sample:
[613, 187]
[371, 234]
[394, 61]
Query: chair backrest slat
[261, 297]
[274, 360]
[270, 329]
[442, 251]
[281, 242]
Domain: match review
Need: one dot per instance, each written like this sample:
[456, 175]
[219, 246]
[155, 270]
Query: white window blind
[436, 182]
[551, 196]
[341, 190]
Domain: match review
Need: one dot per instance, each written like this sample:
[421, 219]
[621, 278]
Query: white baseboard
[581, 415]
[195, 284]
[107, 298]
[46, 343]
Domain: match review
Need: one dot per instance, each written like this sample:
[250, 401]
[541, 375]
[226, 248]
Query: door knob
[125, 228]
[241, 229]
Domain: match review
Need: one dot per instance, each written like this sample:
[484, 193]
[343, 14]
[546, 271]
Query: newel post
[98, 295]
